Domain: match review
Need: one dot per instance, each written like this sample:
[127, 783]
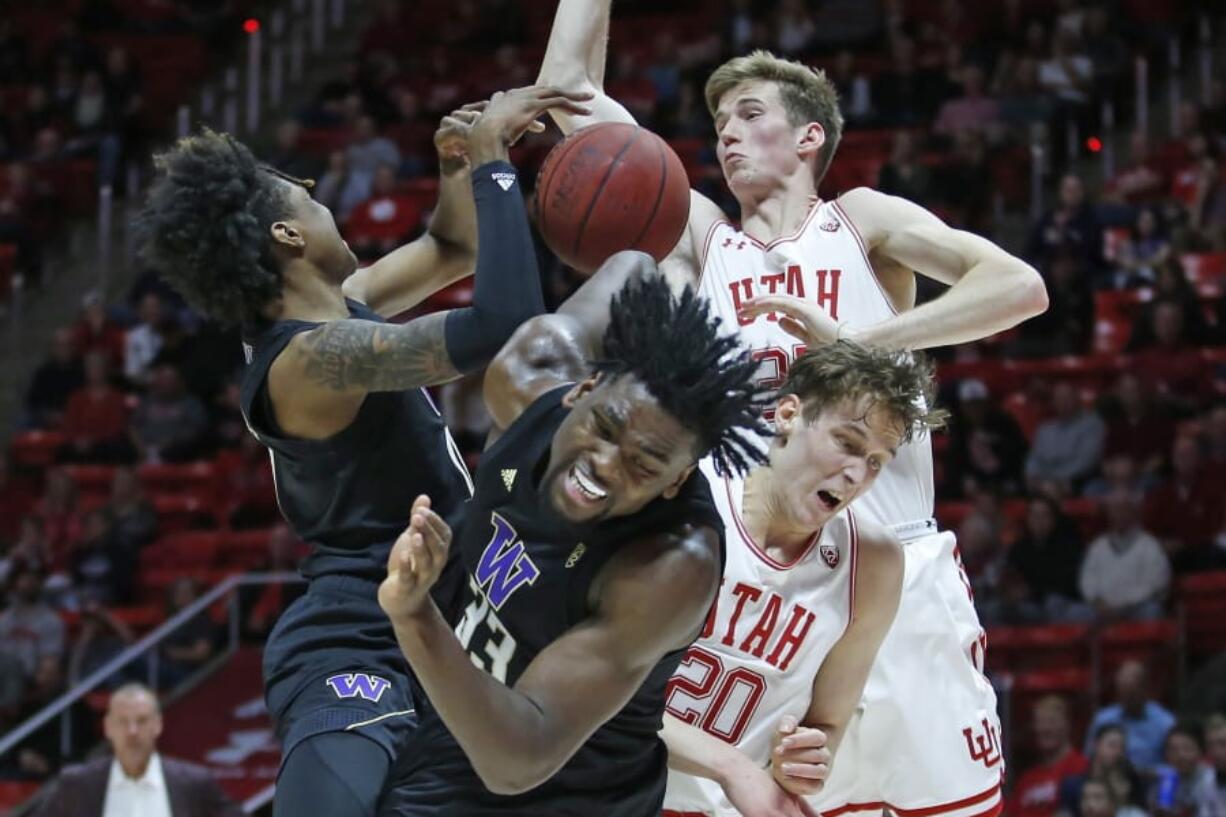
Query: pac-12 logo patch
[349, 685]
[830, 555]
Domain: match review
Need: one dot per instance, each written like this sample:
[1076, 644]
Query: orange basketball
[610, 187]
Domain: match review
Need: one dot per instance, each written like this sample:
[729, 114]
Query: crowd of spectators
[1077, 498]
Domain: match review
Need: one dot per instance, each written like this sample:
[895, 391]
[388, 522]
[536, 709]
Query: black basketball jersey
[349, 495]
[529, 573]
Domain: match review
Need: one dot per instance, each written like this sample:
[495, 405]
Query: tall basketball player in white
[809, 589]
[926, 735]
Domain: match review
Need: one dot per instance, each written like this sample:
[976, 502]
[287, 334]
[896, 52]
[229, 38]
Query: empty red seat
[165, 478]
[178, 512]
[1202, 601]
[35, 449]
[1155, 643]
[247, 550]
[140, 618]
[1203, 268]
[1040, 649]
[92, 478]
[186, 550]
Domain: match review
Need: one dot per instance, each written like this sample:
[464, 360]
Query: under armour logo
[831, 226]
[508, 476]
[984, 748]
[504, 179]
[358, 685]
[576, 555]
[740, 245]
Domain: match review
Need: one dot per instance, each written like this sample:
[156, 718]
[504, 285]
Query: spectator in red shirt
[385, 220]
[1136, 426]
[94, 331]
[1171, 359]
[1037, 791]
[1142, 180]
[96, 418]
[1185, 513]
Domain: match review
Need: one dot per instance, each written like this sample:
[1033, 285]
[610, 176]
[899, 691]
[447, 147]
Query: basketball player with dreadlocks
[852, 262]
[336, 394]
[593, 552]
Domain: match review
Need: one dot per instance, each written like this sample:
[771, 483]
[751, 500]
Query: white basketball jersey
[826, 263]
[767, 635]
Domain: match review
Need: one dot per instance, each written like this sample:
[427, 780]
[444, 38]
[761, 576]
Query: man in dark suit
[136, 781]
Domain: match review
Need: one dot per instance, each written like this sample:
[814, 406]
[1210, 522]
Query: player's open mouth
[586, 487]
[828, 500]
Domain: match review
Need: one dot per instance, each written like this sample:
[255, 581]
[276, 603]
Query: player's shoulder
[880, 550]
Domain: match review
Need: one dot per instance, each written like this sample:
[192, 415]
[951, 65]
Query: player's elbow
[514, 774]
[567, 76]
[1031, 291]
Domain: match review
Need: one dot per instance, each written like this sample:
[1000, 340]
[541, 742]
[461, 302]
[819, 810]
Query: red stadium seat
[1048, 647]
[182, 512]
[166, 478]
[16, 792]
[189, 550]
[1202, 601]
[141, 618]
[8, 265]
[1204, 268]
[35, 449]
[951, 514]
[1156, 643]
[92, 478]
[246, 550]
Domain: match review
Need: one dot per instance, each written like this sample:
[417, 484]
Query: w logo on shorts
[349, 685]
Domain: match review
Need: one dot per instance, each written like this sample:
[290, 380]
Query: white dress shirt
[144, 796]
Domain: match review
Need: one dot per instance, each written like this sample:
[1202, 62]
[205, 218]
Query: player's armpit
[318, 383]
[683, 265]
[839, 683]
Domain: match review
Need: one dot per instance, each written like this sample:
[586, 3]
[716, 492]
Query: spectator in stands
[100, 572]
[30, 549]
[1067, 326]
[1126, 573]
[983, 558]
[1170, 358]
[794, 28]
[136, 779]
[268, 601]
[1121, 472]
[965, 183]
[1183, 775]
[1109, 767]
[1211, 796]
[39, 755]
[131, 516]
[102, 637]
[96, 127]
[853, 86]
[1143, 254]
[53, 382]
[987, 446]
[904, 175]
[1098, 799]
[190, 646]
[1106, 50]
[1145, 722]
[59, 515]
[338, 189]
[368, 151]
[974, 110]
[1136, 425]
[1142, 180]
[901, 93]
[1048, 556]
[30, 630]
[15, 502]
[122, 81]
[1067, 448]
[1207, 212]
[95, 331]
[246, 495]
[1036, 791]
[384, 221]
[144, 340]
[1172, 284]
[1016, 85]
[288, 157]
[169, 423]
[1070, 227]
[1068, 75]
[1213, 422]
[1186, 511]
[96, 418]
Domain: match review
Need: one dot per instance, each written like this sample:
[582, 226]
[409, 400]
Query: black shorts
[332, 664]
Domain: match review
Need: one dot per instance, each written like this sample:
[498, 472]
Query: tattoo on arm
[356, 355]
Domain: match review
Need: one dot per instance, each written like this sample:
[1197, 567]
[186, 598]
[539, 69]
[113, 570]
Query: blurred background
[139, 537]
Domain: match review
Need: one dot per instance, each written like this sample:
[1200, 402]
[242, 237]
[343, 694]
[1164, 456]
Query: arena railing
[146, 650]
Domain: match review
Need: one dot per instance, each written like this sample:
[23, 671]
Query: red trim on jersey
[928, 811]
[754, 547]
[855, 232]
[855, 562]
[804, 225]
[706, 247]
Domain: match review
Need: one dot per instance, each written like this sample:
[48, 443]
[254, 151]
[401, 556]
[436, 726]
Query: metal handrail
[103, 673]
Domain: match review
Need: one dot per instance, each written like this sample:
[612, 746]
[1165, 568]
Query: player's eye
[603, 430]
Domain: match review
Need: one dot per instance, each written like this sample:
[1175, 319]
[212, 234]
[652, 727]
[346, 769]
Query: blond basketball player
[809, 589]
[926, 735]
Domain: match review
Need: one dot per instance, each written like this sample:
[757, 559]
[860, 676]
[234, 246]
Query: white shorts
[925, 740]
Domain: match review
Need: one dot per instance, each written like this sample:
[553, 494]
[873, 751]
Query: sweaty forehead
[878, 424]
[648, 425]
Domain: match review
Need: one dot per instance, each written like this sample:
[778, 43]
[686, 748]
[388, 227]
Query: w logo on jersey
[349, 685]
[505, 565]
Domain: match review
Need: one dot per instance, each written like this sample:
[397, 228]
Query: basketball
[610, 187]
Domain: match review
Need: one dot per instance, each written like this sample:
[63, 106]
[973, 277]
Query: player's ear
[788, 416]
[812, 138]
[581, 388]
[674, 487]
[287, 235]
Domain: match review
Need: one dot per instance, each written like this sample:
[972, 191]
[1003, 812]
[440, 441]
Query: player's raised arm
[801, 760]
[447, 251]
[550, 350]
[652, 599]
[575, 60]
[990, 290]
[330, 369]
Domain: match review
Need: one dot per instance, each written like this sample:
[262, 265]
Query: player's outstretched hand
[755, 794]
[509, 113]
[451, 138]
[415, 562]
[800, 761]
[800, 319]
